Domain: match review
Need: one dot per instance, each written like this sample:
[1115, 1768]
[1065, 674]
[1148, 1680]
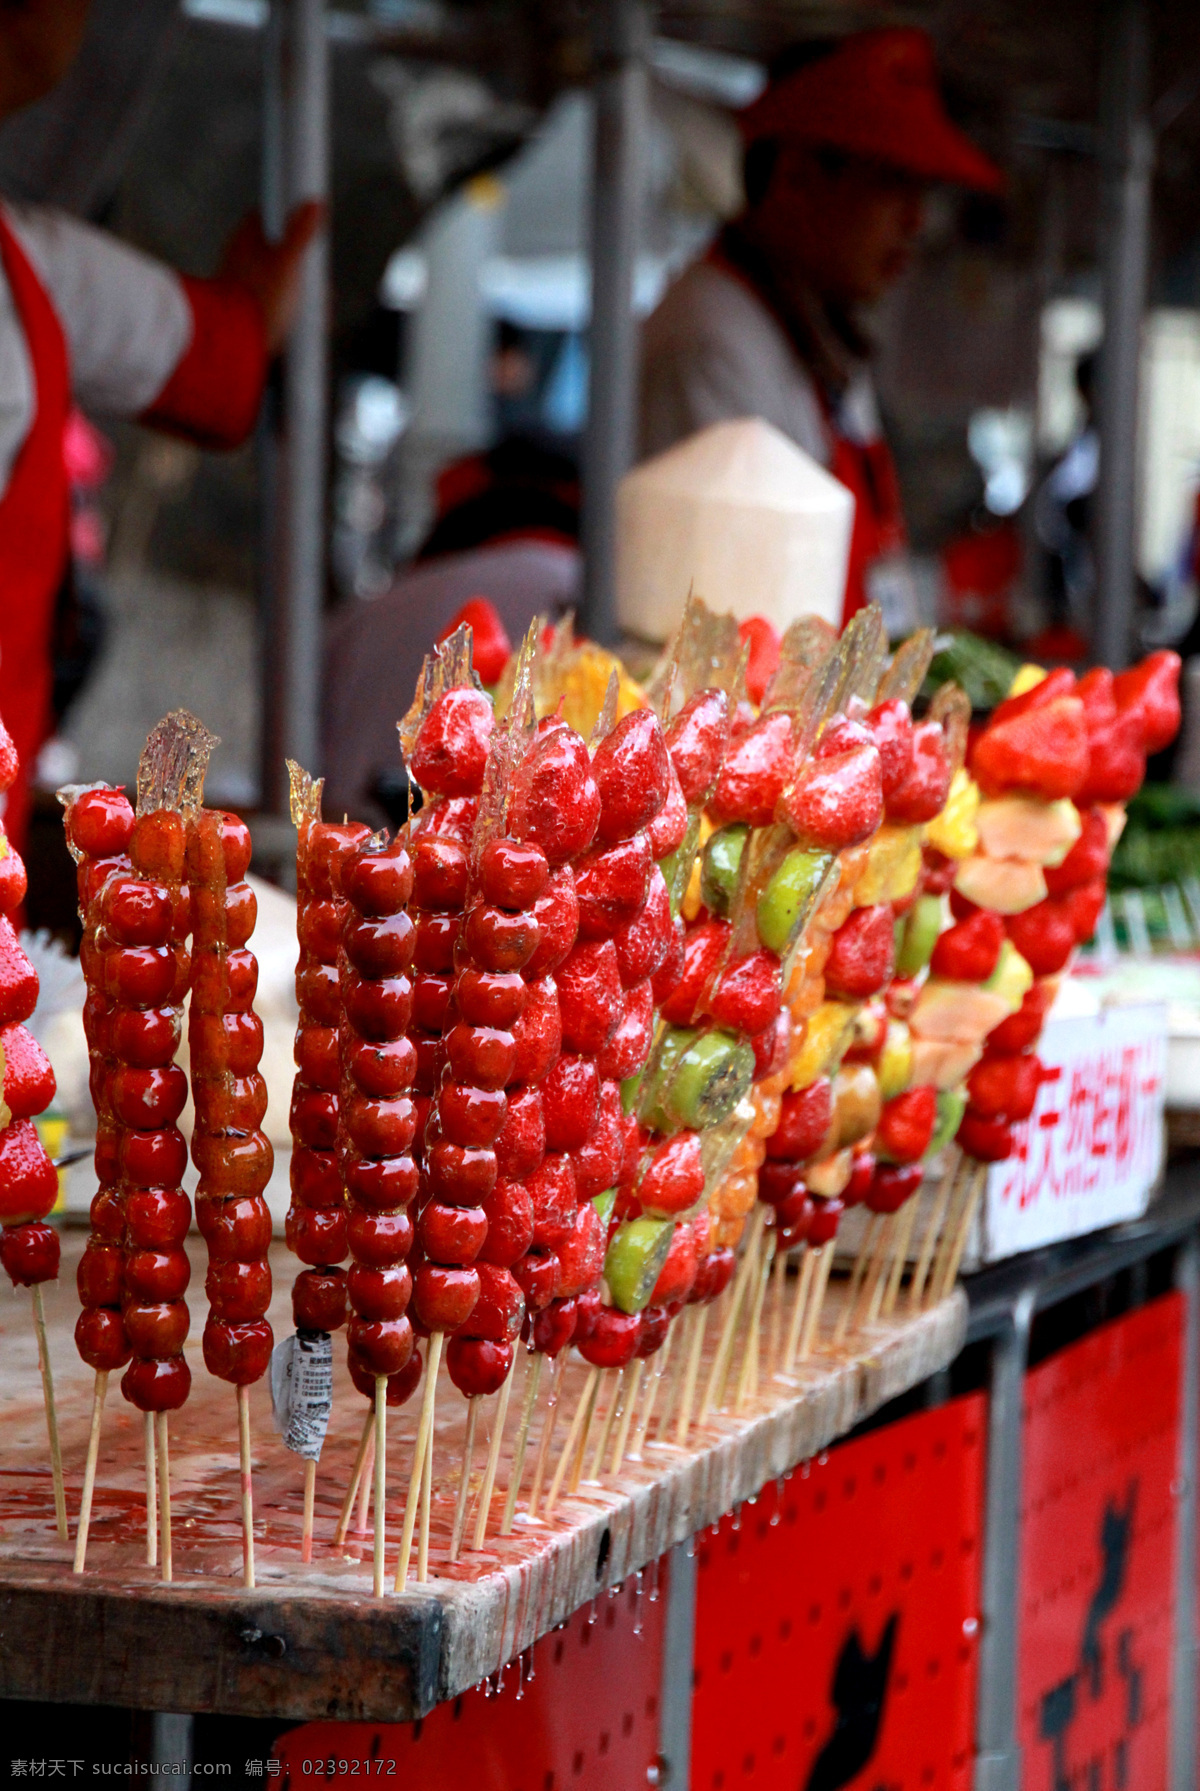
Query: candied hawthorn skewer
[99, 823]
[29, 1248]
[376, 1124]
[316, 1219]
[230, 1151]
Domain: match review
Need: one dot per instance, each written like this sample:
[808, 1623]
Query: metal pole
[1127, 162]
[1183, 1688]
[294, 657]
[998, 1756]
[620, 92]
[679, 1659]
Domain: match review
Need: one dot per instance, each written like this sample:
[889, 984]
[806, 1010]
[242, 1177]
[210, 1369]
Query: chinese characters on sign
[1091, 1151]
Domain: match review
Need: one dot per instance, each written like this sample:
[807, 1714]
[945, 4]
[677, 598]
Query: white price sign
[1091, 1151]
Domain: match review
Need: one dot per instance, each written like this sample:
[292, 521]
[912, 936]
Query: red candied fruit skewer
[230, 1151]
[316, 1219]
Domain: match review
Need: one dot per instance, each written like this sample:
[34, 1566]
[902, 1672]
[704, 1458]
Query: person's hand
[271, 271]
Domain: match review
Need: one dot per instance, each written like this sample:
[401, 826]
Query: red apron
[34, 533]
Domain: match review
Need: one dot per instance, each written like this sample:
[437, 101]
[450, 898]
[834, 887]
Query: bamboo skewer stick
[652, 1391]
[715, 1387]
[151, 1495]
[937, 1219]
[56, 1467]
[816, 1302]
[542, 1459]
[243, 1406]
[978, 1183]
[873, 1286]
[310, 1493]
[907, 1223]
[778, 1288]
[959, 1195]
[424, 1429]
[616, 1380]
[747, 1381]
[799, 1305]
[589, 1418]
[368, 1480]
[856, 1280]
[368, 1431]
[532, 1380]
[89, 1472]
[464, 1479]
[426, 1505]
[581, 1419]
[631, 1399]
[687, 1391]
[164, 1495]
[493, 1459]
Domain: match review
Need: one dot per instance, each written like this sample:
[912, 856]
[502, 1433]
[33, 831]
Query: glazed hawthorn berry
[613, 1343]
[378, 1008]
[378, 1128]
[157, 1218]
[483, 1055]
[498, 940]
[451, 1234]
[459, 1174]
[135, 912]
[508, 1210]
[99, 823]
[476, 1365]
[537, 1274]
[470, 1115]
[235, 1230]
[238, 1353]
[554, 1327]
[146, 1038]
[317, 1235]
[557, 914]
[29, 1253]
[431, 1001]
[379, 1293]
[400, 1386]
[440, 873]
[383, 1184]
[444, 1297]
[489, 998]
[379, 1240]
[436, 937]
[158, 1385]
[147, 1099]
[378, 883]
[100, 1338]
[382, 947]
[319, 1300]
[238, 1291]
[511, 874]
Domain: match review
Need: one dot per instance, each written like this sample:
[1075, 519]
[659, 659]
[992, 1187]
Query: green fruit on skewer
[951, 1105]
[918, 935]
[699, 1080]
[719, 868]
[783, 903]
[604, 1204]
[634, 1261]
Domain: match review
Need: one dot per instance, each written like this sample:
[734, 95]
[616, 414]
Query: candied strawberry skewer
[375, 1128]
[230, 1151]
[316, 1218]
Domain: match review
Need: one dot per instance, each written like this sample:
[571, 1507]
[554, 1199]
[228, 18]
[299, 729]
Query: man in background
[839, 152]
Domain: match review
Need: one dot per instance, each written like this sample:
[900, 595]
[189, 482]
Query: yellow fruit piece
[894, 1069]
[828, 1035]
[893, 866]
[804, 997]
[1027, 677]
[768, 1104]
[582, 684]
[727, 1233]
[692, 904]
[954, 832]
[829, 1178]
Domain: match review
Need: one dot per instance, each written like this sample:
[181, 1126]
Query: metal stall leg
[679, 1655]
[1183, 1689]
[1127, 159]
[620, 92]
[293, 653]
[998, 1757]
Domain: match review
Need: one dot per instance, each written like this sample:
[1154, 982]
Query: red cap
[875, 96]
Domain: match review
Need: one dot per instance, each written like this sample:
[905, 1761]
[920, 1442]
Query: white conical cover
[742, 516]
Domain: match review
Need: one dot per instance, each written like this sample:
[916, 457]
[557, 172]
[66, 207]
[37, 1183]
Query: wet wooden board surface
[310, 1641]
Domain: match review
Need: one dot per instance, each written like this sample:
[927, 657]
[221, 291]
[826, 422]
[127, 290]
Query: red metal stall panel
[837, 1618]
[578, 1712]
[1098, 1555]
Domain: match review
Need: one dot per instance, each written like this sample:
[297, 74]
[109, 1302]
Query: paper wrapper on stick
[741, 515]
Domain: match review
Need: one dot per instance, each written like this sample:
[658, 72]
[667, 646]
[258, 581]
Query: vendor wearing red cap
[83, 316]
[839, 152]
